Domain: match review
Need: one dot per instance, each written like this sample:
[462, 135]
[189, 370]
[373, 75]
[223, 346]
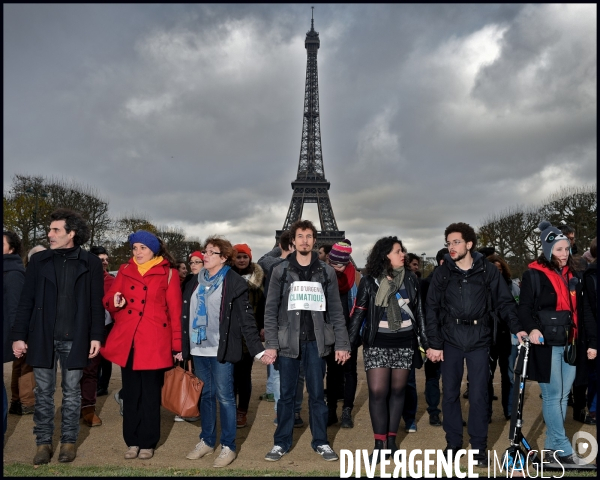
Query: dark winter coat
[425, 283]
[14, 279]
[365, 306]
[235, 320]
[149, 321]
[540, 355]
[256, 295]
[590, 316]
[36, 314]
[466, 298]
[590, 301]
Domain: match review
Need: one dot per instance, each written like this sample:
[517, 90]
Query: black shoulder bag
[555, 324]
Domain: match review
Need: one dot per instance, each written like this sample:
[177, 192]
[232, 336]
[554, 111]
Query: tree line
[513, 232]
[30, 200]
[515, 235]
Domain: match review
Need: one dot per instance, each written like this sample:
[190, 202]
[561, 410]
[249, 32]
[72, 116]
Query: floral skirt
[381, 357]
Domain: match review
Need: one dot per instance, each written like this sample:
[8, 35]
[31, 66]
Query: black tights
[387, 387]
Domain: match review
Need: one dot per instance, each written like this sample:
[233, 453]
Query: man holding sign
[303, 322]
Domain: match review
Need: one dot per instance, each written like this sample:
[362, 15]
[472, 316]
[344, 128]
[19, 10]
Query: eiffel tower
[310, 185]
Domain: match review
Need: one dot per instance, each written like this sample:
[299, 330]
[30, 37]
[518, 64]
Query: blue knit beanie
[147, 238]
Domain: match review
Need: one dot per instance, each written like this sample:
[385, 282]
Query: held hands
[536, 337]
[342, 356]
[94, 348]
[119, 300]
[269, 356]
[591, 353]
[19, 348]
[435, 355]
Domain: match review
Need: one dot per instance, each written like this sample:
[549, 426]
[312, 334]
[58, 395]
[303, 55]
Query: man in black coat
[61, 317]
[463, 294]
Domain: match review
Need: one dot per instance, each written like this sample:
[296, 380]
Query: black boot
[391, 445]
[379, 446]
[347, 421]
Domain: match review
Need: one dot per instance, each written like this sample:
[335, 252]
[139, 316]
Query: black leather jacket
[365, 305]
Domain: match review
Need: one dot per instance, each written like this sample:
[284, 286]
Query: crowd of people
[304, 313]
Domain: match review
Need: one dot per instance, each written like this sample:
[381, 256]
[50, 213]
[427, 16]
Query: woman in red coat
[145, 303]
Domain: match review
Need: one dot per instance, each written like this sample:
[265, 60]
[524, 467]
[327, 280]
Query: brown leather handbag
[181, 391]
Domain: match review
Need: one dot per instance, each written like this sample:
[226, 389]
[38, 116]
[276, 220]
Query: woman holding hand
[216, 315]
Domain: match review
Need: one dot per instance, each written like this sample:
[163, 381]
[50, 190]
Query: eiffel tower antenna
[311, 185]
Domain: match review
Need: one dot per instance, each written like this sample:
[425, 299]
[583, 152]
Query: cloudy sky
[192, 114]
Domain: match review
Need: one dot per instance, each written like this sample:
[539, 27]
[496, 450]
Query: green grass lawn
[23, 470]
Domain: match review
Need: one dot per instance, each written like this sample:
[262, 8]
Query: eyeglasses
[454, 242]
[196, 262]
[209, 253]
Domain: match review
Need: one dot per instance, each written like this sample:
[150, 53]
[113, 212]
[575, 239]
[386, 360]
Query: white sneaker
[178, 419]
[275, 454]
[327, 453]
[225, 457]
[200, 450]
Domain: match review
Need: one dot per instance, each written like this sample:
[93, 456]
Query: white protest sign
[306, 296]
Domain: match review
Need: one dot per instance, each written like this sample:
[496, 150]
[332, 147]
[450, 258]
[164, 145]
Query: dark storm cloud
[193, 113]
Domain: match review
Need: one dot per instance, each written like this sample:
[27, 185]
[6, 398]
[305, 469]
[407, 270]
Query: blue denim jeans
[45, 379]
[276, 387]
[218, 386]
[555, 395]
[272, 380]
[289, 369]
[592, 390]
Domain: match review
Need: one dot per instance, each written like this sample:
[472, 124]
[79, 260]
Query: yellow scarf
[144, 267]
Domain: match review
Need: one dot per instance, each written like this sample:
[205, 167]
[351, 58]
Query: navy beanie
[147, 238]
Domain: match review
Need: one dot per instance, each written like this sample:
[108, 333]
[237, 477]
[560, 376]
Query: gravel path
[104, 445]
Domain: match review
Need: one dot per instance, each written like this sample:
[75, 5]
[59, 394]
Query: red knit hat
[197, 254]
[243, 248]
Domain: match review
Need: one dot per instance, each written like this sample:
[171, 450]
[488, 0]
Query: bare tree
[576, 207]
[117, 243]
[514, 232]
[177, 243]
[25, 209]
[32, 199]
